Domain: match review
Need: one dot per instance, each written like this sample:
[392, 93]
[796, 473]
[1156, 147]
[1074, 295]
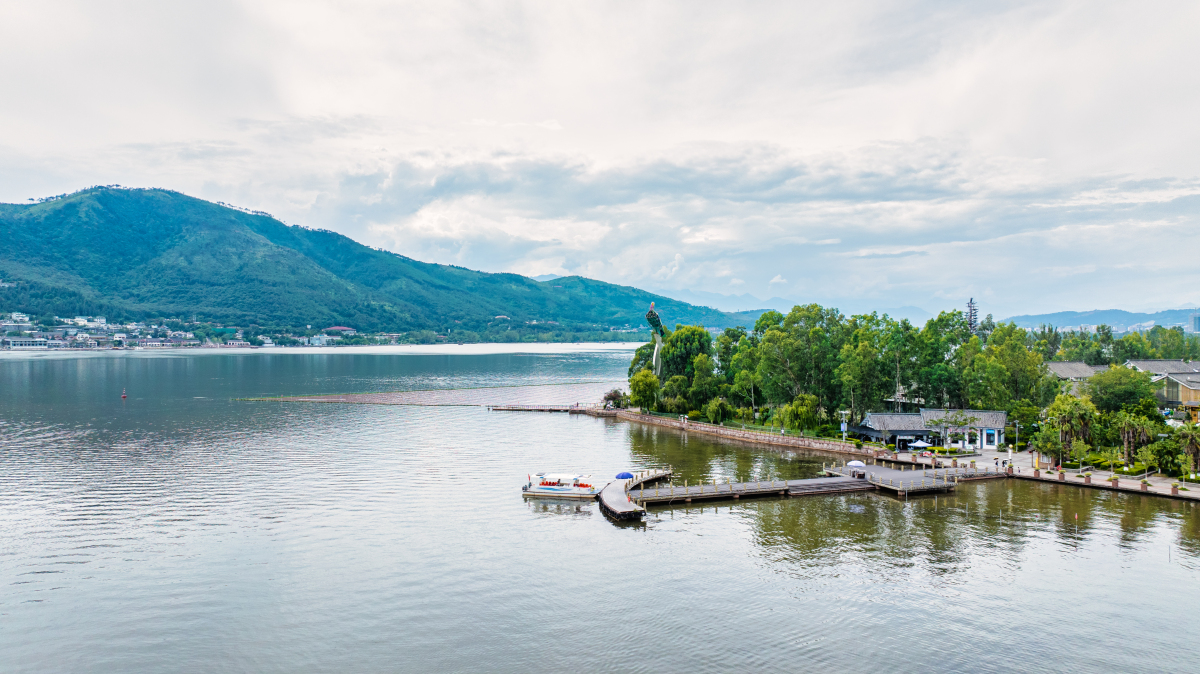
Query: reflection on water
[182, 529]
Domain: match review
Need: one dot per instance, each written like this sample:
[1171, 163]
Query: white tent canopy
[919, 443]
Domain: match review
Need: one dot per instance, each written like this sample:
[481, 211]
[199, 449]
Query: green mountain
[141, 254]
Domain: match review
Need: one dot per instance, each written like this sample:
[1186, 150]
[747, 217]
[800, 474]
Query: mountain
[1118, 319]
[133, 253]
[745, 302]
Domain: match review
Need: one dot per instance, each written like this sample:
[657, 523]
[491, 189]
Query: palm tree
[1188, 436]
[1127, 425]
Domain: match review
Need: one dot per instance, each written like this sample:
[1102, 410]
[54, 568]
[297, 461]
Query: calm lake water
[185, 530]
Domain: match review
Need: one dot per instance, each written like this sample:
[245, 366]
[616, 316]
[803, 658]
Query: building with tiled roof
[1161, 367]
[1074, 370]
[903, 428]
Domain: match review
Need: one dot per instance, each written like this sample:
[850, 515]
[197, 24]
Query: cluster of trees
[799, 370]
[1103, 348]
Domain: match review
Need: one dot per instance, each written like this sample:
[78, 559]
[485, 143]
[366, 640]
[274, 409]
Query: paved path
[1023, 463]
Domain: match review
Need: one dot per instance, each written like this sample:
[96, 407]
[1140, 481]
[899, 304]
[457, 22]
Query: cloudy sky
[1038, 156]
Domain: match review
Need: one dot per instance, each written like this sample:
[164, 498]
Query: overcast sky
[1038, 156]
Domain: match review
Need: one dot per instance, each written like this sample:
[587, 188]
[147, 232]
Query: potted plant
[1145, 485]
[1174, 489]
[1062, 475]
[1087, 478]
[1114, 480]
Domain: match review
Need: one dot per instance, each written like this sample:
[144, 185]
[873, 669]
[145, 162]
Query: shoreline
[476, 349]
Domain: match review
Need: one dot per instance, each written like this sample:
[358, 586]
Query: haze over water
[185, 530]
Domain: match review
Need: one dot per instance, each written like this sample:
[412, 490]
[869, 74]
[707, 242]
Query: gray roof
[1163, 366]
[891, 421]
[1188, 379]
[1074, 369]
[927, 420]
[984, 418]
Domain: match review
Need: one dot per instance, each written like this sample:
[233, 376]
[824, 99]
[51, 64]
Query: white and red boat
[561, 485]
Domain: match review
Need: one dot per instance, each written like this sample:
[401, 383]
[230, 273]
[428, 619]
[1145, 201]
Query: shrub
[694, 415]
[858, 444]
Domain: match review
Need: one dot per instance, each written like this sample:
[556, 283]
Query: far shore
[478, 349]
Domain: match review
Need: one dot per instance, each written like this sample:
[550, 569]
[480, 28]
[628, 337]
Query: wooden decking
[724, 490]
[909, 482]
[615, 500]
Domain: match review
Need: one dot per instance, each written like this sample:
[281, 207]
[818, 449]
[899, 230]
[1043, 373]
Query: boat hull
[569, 494]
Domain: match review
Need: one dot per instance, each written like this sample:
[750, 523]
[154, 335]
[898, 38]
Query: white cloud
[1038, 155]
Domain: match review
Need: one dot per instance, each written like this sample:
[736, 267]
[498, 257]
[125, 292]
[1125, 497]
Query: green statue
[657, 330]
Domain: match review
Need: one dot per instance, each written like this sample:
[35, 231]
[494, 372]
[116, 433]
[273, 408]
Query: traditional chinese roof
[984, 418]
[1074, 369]
[1163, 366]
[891, 421]
[1189, 379]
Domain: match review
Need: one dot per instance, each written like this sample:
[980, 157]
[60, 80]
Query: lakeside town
[95, 332]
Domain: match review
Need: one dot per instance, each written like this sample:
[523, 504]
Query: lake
[186, 529]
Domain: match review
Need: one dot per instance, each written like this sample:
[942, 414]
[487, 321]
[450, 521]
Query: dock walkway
[716, 489]
[615, 500]
[906, 482]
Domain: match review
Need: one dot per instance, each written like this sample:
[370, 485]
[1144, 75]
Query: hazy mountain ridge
[1116, 318]
[156, 253]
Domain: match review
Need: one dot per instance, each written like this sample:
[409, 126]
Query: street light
[844, 413]
[1017, 444]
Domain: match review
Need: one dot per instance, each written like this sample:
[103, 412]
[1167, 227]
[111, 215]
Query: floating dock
[723, 490]
[906, 482]
[840, 479]
[615, 500]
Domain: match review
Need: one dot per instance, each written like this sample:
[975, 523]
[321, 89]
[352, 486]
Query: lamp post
[844, 413]
[1017, 444]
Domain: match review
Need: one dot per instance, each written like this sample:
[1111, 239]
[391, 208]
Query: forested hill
[140, 254]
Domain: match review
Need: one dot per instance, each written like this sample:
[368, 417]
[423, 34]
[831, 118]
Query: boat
[561, 485]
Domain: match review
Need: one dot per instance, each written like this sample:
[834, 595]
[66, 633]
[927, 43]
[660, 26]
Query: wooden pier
[728, 489]
[615, 500]
[913, 482]
[841, 479]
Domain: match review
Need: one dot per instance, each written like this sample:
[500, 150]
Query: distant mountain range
[141, 254]
[1118, 319]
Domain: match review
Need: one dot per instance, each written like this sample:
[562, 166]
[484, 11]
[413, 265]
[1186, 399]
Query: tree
[674, 394]
[859, 369]
[704, 382]
[1131, 429]
[1145, 455]
[616, 397]
[643, 390]
[1117, 387]
[717, 410]
[987, 384]
[1188, 437]
[681, 348]
[641, 359]
[1046, 441]
[1074, 417]
[1133, 346]
[1112, 454]
[727, 347]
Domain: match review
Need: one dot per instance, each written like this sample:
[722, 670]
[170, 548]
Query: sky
[1037, 156]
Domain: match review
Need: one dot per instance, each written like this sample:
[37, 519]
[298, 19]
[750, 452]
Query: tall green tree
[643, 390]
[1117, 387]
[681, 348]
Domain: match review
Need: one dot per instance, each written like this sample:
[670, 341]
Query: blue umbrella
[624, 476]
